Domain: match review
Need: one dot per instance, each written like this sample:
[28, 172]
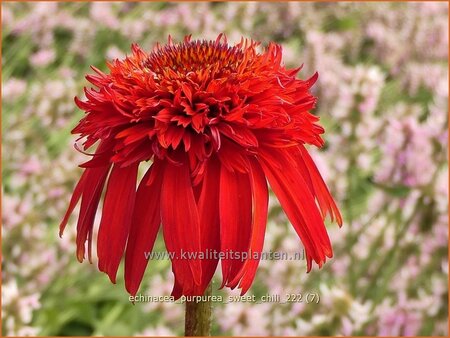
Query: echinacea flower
[216, 121]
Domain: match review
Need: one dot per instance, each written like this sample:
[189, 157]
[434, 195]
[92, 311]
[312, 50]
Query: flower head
[216, 121]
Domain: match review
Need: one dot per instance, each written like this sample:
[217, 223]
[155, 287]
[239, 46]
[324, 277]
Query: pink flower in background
[42, 58]
[12, 89]
[103, 14]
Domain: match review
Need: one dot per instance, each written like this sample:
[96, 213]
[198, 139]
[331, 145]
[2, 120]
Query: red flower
[216, 121]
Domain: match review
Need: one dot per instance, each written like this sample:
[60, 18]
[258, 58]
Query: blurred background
[383, 99]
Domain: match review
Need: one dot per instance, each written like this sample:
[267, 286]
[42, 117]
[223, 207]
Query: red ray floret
[216, 121]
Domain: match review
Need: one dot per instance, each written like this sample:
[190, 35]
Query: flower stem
[198, 316]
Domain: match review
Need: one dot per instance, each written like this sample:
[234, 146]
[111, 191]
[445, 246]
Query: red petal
[208, 207]
[95, 181]
[233, 157]
[324, 198]
[97, 161]
[73, 202]
[177, 290]
[310, 82]
[260, 204]
[135, 133]
[187, 91]
[144, 228]
[235, 205]
[181, 227]
[298, 203]
[116, 218]
[242, 135]
[82, 185]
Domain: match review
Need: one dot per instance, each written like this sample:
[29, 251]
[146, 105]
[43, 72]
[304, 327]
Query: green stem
[198, 316]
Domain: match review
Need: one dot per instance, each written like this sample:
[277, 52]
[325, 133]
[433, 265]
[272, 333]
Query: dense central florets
[198, 99]
[194, 56]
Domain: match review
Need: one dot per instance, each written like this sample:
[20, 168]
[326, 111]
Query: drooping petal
[144, 227]
[208, 207]
[76, 195]
[116, 218]
[308, 170]
[181, 228]
[89, 188]
[298, 203]
[235, 203]
[95, 181]
[324, 198]
[177, 290]
[233, 157]
[260, 196]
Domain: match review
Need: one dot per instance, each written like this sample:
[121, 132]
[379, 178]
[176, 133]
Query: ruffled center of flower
[194, 56]
[199, 98]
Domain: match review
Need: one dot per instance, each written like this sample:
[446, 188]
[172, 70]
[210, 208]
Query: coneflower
[216, 121]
